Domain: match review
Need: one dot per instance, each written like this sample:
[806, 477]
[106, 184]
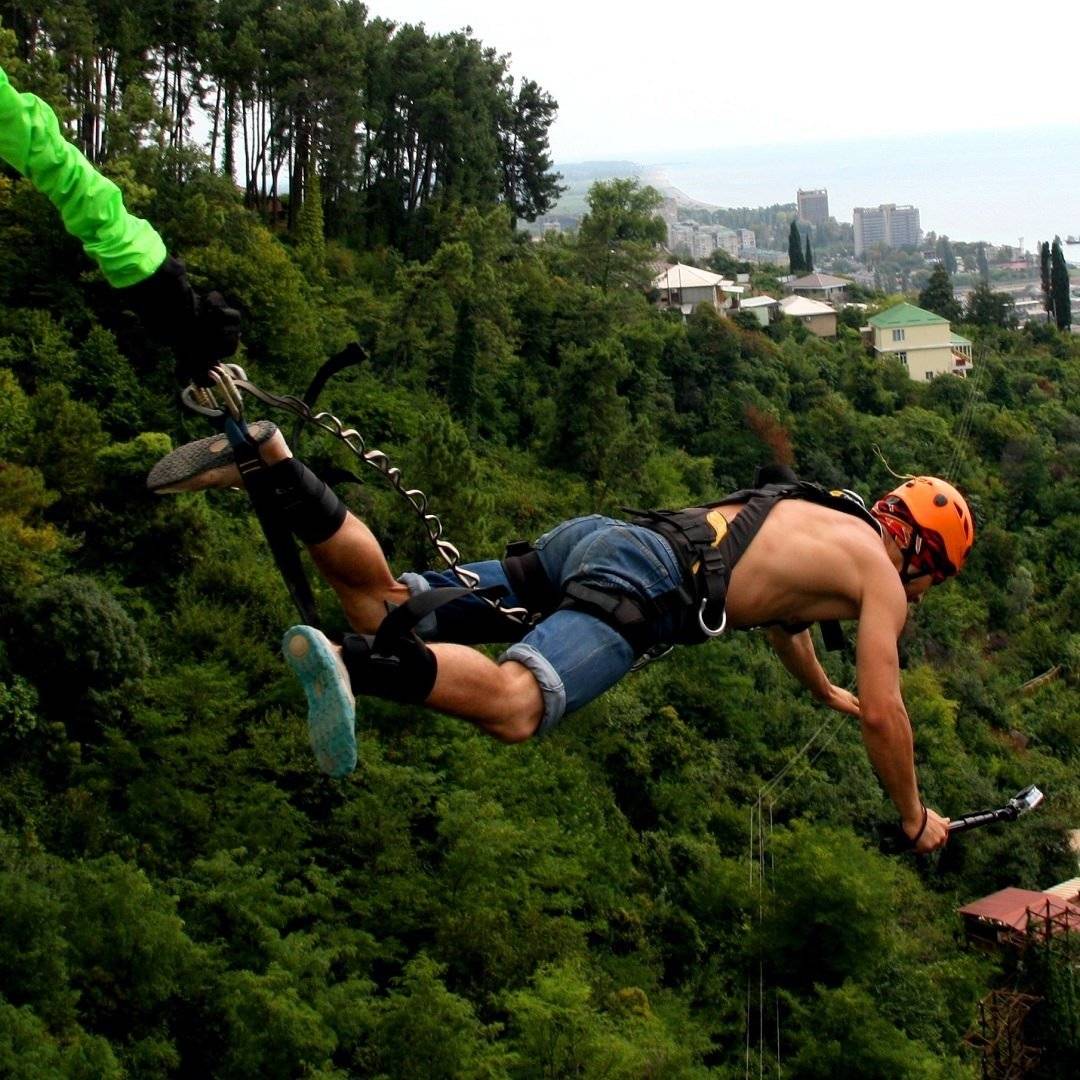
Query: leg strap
[404, 672]
[394, 663]
[297, 497]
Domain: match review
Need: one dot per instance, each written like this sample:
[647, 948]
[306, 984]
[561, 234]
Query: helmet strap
[901, 531]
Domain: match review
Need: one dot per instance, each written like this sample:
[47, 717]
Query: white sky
[638, 80]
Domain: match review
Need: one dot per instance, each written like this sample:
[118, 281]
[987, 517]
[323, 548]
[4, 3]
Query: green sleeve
[127, 248]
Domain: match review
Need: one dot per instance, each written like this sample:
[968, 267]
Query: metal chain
[231, 380]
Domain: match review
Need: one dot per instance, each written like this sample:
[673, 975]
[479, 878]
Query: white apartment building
[888, 225]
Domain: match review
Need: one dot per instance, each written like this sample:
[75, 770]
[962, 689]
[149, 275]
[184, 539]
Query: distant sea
[975, 186]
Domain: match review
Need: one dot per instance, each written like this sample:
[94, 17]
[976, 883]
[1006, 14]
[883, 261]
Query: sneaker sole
[331, 705]
[194, 459]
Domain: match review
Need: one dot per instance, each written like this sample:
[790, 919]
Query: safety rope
[231, 382]
[762, 862]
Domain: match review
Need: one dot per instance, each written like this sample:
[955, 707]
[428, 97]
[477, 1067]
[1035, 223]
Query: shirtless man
[604, 592]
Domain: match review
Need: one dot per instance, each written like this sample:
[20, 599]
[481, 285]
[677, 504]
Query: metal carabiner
[223, 377]
[707, 630]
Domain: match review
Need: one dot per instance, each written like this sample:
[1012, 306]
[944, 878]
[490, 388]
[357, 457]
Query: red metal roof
[1009, 907]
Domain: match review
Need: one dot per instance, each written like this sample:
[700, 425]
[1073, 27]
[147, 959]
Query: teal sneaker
[331, 705]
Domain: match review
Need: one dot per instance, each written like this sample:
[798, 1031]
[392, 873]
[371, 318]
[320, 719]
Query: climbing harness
[708, 547]
[223, 406]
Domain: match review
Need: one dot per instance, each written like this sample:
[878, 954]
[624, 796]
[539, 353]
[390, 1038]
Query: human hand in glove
[202, 329]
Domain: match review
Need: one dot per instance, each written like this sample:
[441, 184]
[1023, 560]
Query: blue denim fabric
[573, 656]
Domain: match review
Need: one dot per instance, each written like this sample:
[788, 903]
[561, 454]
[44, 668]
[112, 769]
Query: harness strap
[276, 531]
[400, 622]
[528, 579]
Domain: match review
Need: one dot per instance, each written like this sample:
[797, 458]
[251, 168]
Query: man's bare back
[807, 563]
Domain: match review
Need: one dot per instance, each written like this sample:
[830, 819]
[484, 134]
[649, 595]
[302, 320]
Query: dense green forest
[182, 893]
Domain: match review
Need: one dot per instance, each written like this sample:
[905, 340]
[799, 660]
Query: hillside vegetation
[182, 893]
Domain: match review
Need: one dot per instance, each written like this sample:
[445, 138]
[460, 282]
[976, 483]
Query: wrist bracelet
[922, 828]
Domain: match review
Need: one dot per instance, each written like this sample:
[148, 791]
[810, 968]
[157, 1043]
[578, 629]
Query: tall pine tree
[808, 258]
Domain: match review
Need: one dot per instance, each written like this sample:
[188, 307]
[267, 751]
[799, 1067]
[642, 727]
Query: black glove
[201, 329]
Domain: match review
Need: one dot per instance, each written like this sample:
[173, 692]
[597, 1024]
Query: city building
[763, 256]
[700, 241]
[814, 205]
[818, 318]
[922, 341]
[747, 239]
[887, 225]
[824, 287]
[684, 287]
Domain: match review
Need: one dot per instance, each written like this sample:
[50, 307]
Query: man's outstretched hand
[929, 835]
[843, 701]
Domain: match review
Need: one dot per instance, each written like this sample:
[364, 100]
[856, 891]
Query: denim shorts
[573, 656]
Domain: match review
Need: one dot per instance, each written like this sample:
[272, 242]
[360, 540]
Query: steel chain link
[231, 380]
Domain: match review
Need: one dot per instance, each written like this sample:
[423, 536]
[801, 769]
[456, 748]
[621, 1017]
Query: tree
[1044, 278]
[982, 263]
[1059, 286]
[796, 258]
[945, 254]
[938, 295]
[618, 236]
[808, 258]
[988, 308]
[530, 187]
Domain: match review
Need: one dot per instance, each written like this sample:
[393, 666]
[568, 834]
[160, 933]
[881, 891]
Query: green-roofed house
[922, 341]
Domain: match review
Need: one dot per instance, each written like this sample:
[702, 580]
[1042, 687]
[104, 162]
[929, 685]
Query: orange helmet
[940, 527]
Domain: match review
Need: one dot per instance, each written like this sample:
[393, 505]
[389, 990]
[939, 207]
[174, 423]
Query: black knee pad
[289, 490]
[402, 670]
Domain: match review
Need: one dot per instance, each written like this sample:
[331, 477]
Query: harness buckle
[707, 630]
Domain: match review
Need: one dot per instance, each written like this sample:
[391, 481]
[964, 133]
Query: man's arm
[200, 329]
[886, 730]
[127, 248]
[796, 652]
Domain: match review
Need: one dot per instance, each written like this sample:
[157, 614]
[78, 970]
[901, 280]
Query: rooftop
[819, 281]
[905, 315]
[1009, 907]
[803, 306]
[757, 301]
[681, 276]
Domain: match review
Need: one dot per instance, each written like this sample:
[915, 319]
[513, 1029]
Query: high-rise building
[888, 225]
[814, 205]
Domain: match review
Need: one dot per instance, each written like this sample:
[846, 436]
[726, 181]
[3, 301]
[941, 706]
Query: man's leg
[502, 699]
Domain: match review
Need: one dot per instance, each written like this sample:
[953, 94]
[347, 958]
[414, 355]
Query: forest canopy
[183, 893]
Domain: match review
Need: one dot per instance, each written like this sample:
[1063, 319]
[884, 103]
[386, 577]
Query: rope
[966, 417]
[764, 863]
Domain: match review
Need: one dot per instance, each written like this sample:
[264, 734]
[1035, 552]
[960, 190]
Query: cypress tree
[1059, 286]
[309, 231]
[808, 258]
[795, 251]
[983, 263]
[461, 392]
[1044, 277]
[945, 253]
